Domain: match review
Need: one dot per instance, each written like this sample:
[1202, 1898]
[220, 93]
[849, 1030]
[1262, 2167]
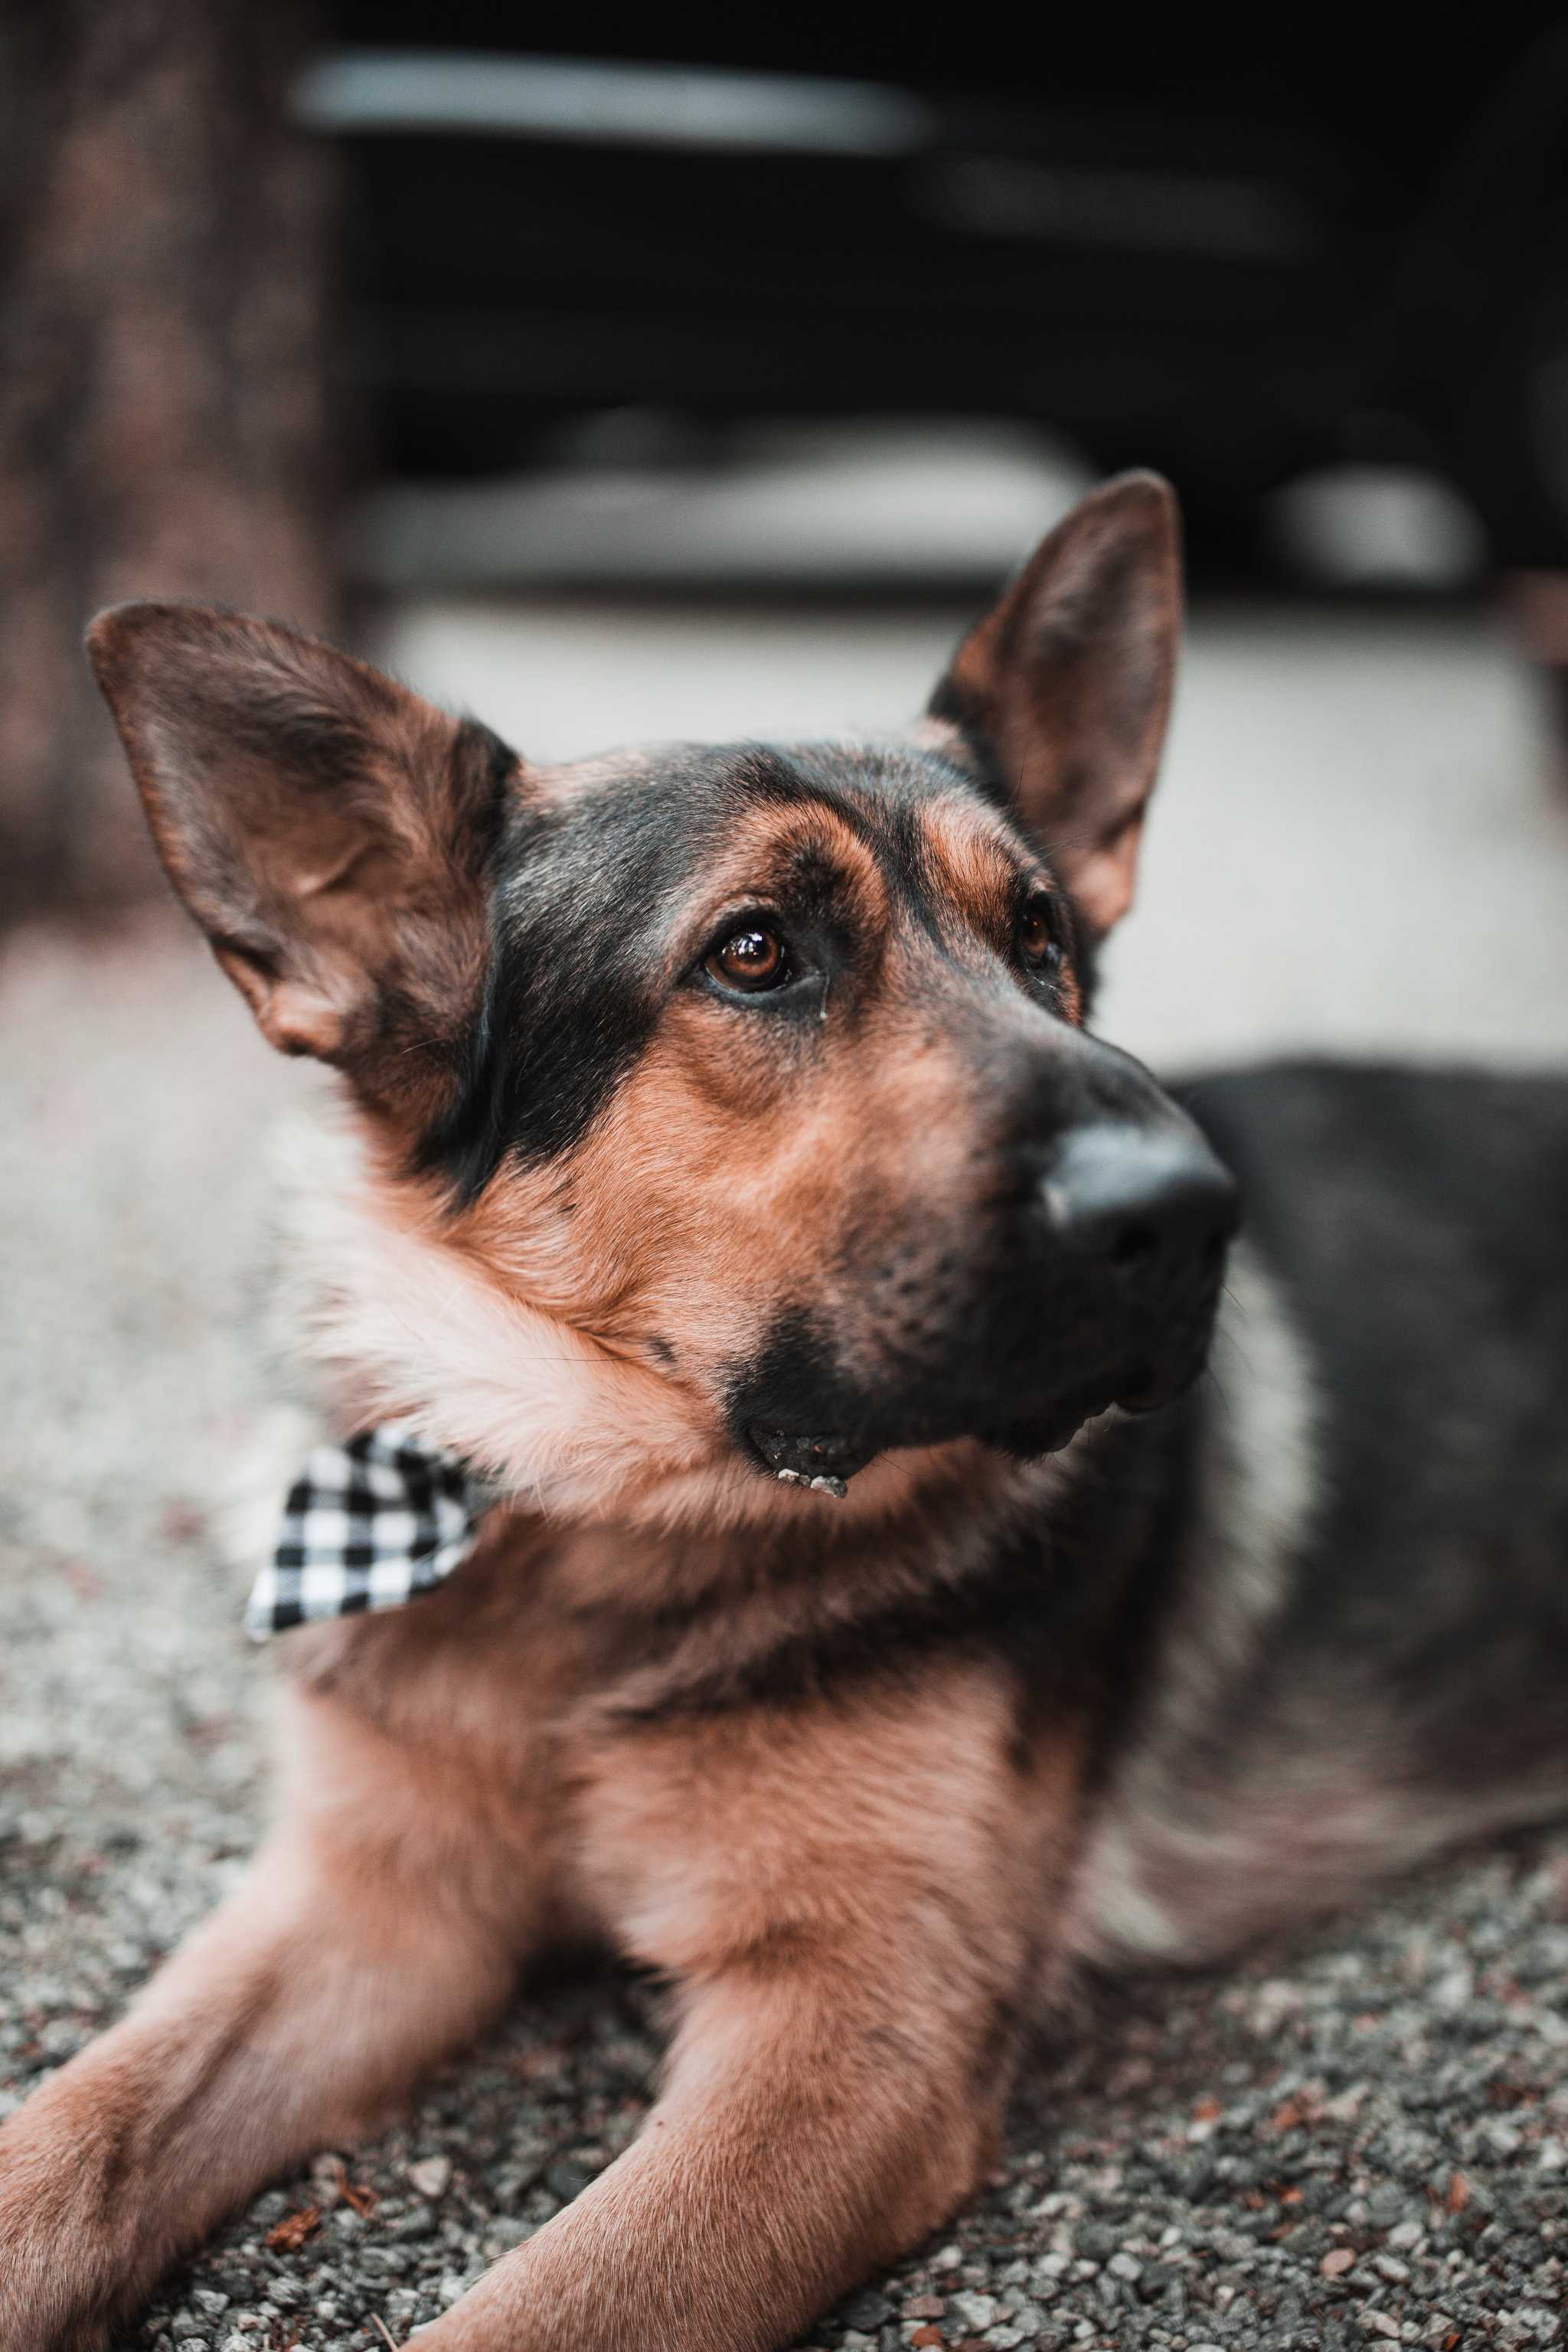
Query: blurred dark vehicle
[1228, 260]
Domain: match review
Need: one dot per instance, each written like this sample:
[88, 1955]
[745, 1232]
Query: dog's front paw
[63, 2280]
[42, 2305]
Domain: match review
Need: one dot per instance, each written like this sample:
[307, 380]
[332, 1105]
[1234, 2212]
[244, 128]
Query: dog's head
[726, 1110]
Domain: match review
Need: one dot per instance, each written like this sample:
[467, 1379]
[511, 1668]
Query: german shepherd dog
[880, 1621]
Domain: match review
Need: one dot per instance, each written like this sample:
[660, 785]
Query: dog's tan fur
[852, 1896]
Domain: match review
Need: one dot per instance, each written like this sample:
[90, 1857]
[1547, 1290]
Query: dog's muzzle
[1091, 1280]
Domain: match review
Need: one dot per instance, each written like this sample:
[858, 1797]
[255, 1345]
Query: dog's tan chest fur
[508, 1716]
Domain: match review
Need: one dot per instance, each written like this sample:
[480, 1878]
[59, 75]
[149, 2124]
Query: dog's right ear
[330, 830]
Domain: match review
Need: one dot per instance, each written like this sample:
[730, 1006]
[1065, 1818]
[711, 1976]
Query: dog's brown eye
[1036, 945]
[752, 958]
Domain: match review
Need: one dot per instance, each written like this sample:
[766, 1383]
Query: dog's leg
[853, 1900]
[809, 2130]
[364, 1944]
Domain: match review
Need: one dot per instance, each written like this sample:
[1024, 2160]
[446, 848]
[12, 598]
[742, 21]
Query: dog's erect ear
[329, 830]
[1067, 684]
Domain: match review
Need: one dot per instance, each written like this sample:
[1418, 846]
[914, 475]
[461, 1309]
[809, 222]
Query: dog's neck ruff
[369, 1524]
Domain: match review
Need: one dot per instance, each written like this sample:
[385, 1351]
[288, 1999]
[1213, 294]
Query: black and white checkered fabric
[368, 1525]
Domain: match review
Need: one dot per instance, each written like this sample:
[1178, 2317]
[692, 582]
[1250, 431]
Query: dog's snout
[1132, 1200]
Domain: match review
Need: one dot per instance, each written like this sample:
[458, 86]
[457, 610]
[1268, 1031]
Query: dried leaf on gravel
[294, 2229]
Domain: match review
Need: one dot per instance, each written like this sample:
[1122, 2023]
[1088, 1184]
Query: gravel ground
[1359, 2136]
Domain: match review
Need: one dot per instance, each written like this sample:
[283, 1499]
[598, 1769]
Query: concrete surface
[1359, 2136]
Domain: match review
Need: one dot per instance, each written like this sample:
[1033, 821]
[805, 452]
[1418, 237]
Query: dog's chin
[1137, 1388]
[1052, 1427]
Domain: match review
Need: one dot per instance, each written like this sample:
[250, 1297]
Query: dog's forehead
[641, 825]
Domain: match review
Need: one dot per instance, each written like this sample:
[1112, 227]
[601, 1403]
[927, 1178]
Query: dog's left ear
[1067, 685]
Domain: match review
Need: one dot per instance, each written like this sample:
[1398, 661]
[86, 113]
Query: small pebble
[974, 2309]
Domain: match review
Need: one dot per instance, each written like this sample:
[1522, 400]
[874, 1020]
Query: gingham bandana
[368, 1525]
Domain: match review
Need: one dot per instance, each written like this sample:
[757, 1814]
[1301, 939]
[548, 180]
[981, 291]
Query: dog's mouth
[824, 1461]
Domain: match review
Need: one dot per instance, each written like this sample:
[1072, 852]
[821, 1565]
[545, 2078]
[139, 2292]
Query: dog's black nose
[1139, 1201]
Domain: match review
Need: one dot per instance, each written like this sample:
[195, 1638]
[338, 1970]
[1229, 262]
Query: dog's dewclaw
[830, 1487]
[791, 1478]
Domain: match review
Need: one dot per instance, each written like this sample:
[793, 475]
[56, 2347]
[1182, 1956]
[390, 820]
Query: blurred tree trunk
[164, 250]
